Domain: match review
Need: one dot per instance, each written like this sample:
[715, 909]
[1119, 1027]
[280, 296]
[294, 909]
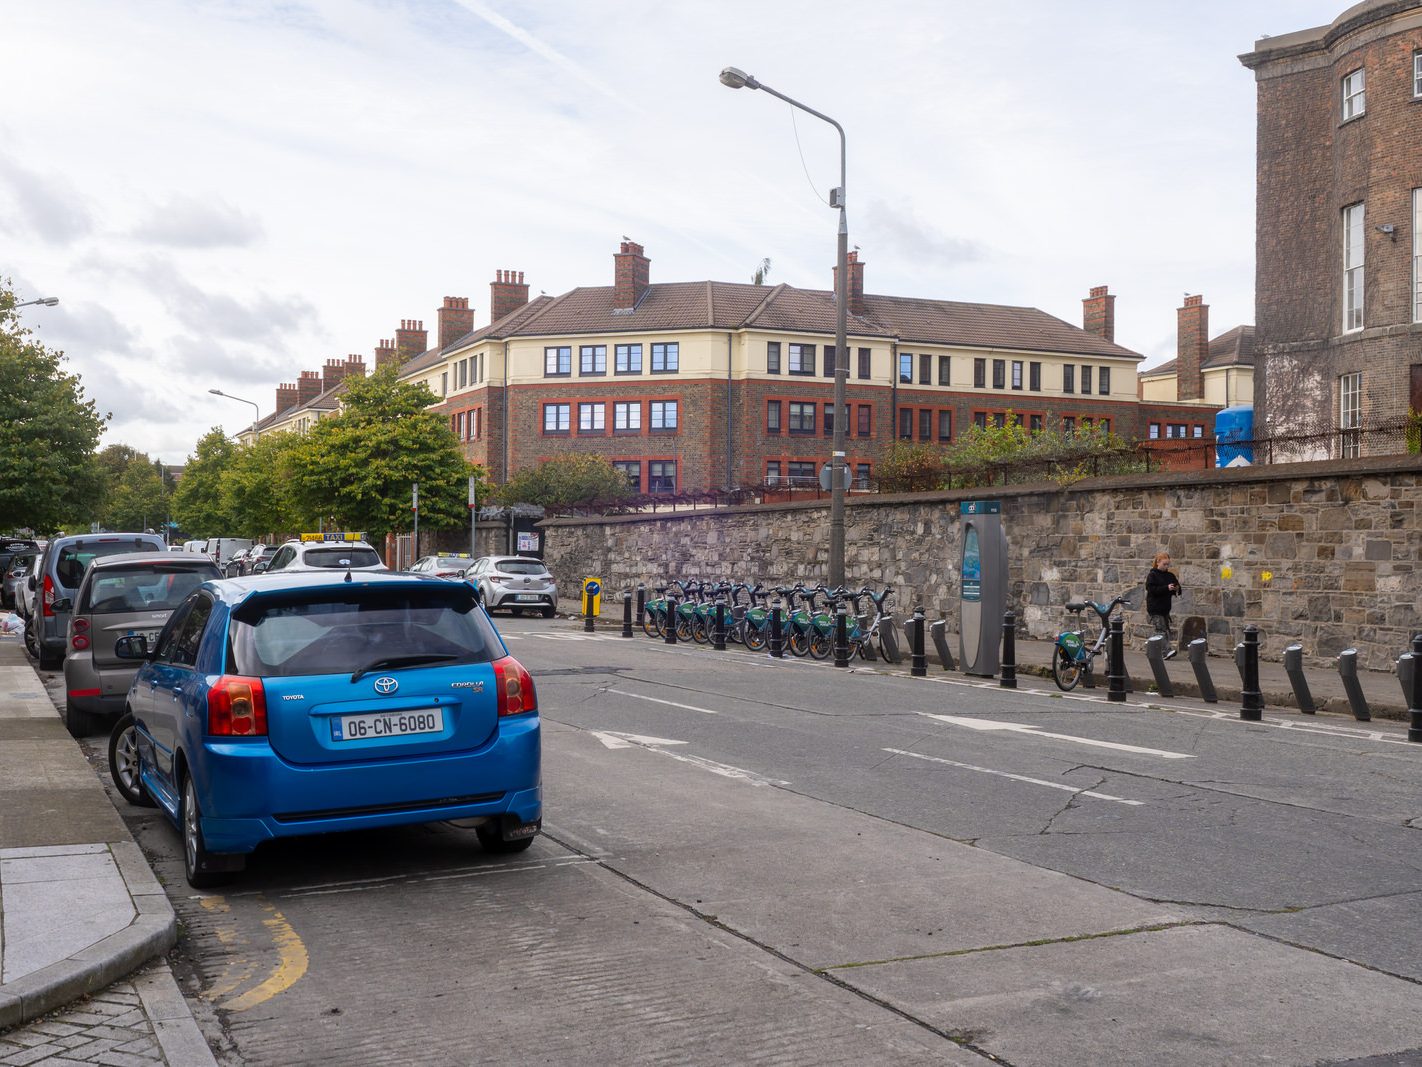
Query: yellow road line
[290, 968]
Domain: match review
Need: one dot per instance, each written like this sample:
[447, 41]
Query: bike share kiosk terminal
[982, 596]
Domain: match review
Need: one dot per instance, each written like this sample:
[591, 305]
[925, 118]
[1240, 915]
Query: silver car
[14, 577]
[515, 583]
[120, 596]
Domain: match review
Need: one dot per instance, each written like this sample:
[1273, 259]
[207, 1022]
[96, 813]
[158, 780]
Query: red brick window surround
[864, 420]
[906, 424]
[557, 419]
[661, 476]
[772, 471]
[802, 417]
[558, 362]
[664, 416]
[772, 416]
[861, 475]
[592, 418]
[632, 468]
[802, 472]
[945, 424]
[627, 417]
[628, 359]
[925, 424]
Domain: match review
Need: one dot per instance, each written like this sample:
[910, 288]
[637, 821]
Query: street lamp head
[217, 392]
[735, 78]
[50, 301]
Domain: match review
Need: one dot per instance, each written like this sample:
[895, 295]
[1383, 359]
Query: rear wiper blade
[396, 662]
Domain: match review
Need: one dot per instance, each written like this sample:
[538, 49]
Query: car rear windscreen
[522, 566]
[156, 587]
[340, 557]
[337, 631]
[74, 559]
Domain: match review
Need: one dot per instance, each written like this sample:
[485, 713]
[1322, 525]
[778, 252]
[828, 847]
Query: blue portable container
[1234, 436]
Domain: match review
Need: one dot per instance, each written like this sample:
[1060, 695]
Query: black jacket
[1158, 592]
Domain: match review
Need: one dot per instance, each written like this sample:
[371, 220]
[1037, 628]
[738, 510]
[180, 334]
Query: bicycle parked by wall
[1073, 656]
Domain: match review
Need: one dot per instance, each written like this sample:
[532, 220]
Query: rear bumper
[248, 794]
[511, 600]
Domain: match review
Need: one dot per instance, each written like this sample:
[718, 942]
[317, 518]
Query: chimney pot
[1098, 313]
[505, 294]
[1192, 346]
[455, 320]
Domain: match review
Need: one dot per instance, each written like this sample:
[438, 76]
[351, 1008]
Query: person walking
[1162, 586]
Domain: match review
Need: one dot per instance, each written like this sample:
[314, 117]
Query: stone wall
[1321, 553]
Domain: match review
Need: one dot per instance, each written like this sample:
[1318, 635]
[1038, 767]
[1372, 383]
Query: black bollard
[920, 660]
[1155, 656]
[777, 633]
[1199, 650]
[587, 613]
[1007, 678]
[641, 604]
[672, 616]
[1405, 668]
[718, 631]
[1116, 668]
[1293, 667]
[841, 636]
[1251, 701]
[1414, 705]
[626, 614]
[1348, 671]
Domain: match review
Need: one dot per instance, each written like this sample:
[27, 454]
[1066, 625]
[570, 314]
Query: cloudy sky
[225, 192]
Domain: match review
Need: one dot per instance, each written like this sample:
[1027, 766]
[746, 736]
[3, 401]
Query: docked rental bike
[1073, 655]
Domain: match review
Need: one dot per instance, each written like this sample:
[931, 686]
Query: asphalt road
[758, 861]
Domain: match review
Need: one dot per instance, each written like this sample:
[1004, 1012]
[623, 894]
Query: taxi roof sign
[333, 536]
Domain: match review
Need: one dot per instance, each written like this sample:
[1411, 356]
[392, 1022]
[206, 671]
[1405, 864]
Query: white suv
[322, 552]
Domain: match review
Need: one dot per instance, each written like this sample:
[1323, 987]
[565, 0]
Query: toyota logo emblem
[386, 685]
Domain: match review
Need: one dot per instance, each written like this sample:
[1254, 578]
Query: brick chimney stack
[456, 319]
[632, 277]
[1192, 347]
[1098, 313]
[855, 295]
[332, 373]
[410, 340]
[355, 366]
[384, 353]
[308, 386]
[507, 292]
[286, 397]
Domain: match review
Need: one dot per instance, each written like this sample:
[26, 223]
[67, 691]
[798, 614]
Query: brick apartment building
[1339, 224]
[694, 386]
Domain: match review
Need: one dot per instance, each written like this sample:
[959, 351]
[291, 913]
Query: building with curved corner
[1339, 228]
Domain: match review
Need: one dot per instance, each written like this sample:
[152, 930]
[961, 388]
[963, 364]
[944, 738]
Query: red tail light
[78, 642]
[47, 600]
[515, 686]
[81, 625]
[237, 707]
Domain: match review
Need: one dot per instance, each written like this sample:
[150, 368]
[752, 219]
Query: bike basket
[1072, 645]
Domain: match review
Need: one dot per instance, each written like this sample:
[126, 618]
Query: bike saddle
[1079, 606]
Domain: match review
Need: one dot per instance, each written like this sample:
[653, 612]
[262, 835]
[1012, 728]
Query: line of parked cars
[315, 692]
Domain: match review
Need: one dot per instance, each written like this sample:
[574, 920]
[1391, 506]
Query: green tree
[911, 468]
[48, 433]
[255, 498]
[566, 482]
[198, 504]
[137, 500]
[356, 469]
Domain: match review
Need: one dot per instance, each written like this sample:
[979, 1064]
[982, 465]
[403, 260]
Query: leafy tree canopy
[48, 432]
[566, 482]
[255, 498]
[198, 505]
[356, 469]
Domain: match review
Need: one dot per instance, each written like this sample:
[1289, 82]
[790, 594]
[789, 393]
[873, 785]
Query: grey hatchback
[121, 596]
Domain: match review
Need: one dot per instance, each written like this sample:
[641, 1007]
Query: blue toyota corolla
[276, 706]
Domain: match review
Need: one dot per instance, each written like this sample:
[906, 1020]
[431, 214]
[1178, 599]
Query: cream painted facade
[1224, 386]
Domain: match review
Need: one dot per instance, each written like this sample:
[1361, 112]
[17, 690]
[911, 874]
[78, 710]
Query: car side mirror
[259, 567]
[134, 646]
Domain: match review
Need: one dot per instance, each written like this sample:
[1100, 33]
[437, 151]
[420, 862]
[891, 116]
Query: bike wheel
[700, 629]
[1066, 671]
[797, 642]
[683, 627]
[820, 644]
[756, 636]
[651, 622]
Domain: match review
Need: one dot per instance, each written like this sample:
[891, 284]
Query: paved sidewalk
[80, 909]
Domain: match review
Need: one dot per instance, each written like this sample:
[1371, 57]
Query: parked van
[222, 549]
[56, 579]
[195, 546]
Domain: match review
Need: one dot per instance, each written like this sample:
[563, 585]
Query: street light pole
[739, 79]
[256, 411]
[47, 301]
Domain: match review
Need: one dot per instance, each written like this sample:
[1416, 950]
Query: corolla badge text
[475, 687]
[386, 685]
